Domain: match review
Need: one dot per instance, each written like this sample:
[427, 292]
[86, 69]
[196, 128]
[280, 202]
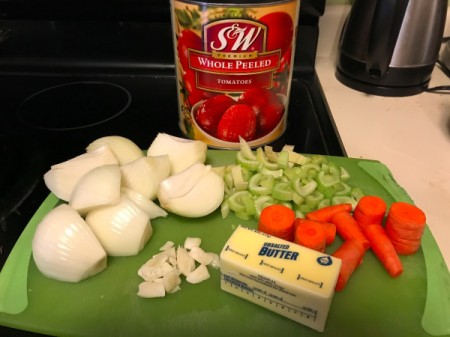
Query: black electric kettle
[390, 47]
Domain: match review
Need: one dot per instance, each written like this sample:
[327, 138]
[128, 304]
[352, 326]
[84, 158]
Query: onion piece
[99, 186]
[182, 152]
[144, 174]
[123, 148]
[150, 207]
[123, 229]
[195, 192]
[62, 177]
[65, 248]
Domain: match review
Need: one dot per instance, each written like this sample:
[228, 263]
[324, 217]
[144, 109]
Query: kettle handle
[386, 24]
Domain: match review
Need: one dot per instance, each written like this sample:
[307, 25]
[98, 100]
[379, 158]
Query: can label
[234, 69]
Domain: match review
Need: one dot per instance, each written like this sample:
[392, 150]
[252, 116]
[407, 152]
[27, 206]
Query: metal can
[234, 68]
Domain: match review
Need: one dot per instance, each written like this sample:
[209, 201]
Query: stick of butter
[289, 279]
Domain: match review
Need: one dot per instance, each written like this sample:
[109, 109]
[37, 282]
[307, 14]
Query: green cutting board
[373, 304]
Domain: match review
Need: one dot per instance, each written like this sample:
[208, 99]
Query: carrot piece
[405, 224]
[325, 214]
[310, 234]
[383, 249]
[330, 229]
[277, 220]
[370, 209]
[406, 215]
[406, 248]
[348, 228]
[351, 253]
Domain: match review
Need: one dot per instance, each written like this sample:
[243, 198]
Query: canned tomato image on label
[234, 69]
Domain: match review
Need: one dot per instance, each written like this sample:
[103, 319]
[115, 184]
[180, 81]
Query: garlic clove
[145, 174]
[191, 242]
[186, 264]
[99, 186]
[182, 152]
[123, 229]
[151, 289]
[65, 248]
[198, 275]
[62, 177]
[123, 148]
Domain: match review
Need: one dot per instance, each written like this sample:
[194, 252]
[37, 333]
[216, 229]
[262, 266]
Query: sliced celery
[283, 191]
[261, 184]
[264, 177]
[250, 164]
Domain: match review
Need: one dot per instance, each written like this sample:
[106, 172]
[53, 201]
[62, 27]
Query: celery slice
[283, 160]
[313, 199]
[342, 189]
[304, 189]
[283, 191]
[246, 150]
[327, 180]
[250, 164]
[261, 184]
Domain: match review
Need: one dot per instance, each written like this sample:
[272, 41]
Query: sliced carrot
[277, 220]
[397, 231]
[310, 234]
[330, 229]
[383, 249]
[325, 214]
[405, 224]
[406, 248]
[406, 215]
[351, 253]
[348, 228]
[370, 209]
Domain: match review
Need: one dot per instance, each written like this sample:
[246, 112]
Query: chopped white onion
[62, 177]
[181, 151]
[198, 275]
[145, 174]
[99, 186]
[123, 229]
[123, 148]
[65, 248]
[194, 192]
[150, 207]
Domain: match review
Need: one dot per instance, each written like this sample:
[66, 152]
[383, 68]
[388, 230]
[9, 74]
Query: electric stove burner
[75, 105]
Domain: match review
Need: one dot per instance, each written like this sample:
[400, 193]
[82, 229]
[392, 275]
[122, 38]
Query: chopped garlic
[200, 256]
[151, 289]
[198, 275]
[190, 243]
[162, 273]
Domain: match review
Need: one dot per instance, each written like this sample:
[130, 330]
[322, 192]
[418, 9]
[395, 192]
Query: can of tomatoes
[234, 65]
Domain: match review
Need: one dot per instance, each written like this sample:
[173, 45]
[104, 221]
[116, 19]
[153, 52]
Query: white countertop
[410, 135]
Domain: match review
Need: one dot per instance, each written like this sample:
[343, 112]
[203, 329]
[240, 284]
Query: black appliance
[390, 47]
[72, 71]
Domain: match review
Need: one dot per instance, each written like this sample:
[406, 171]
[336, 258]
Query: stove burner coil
[74, 105]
